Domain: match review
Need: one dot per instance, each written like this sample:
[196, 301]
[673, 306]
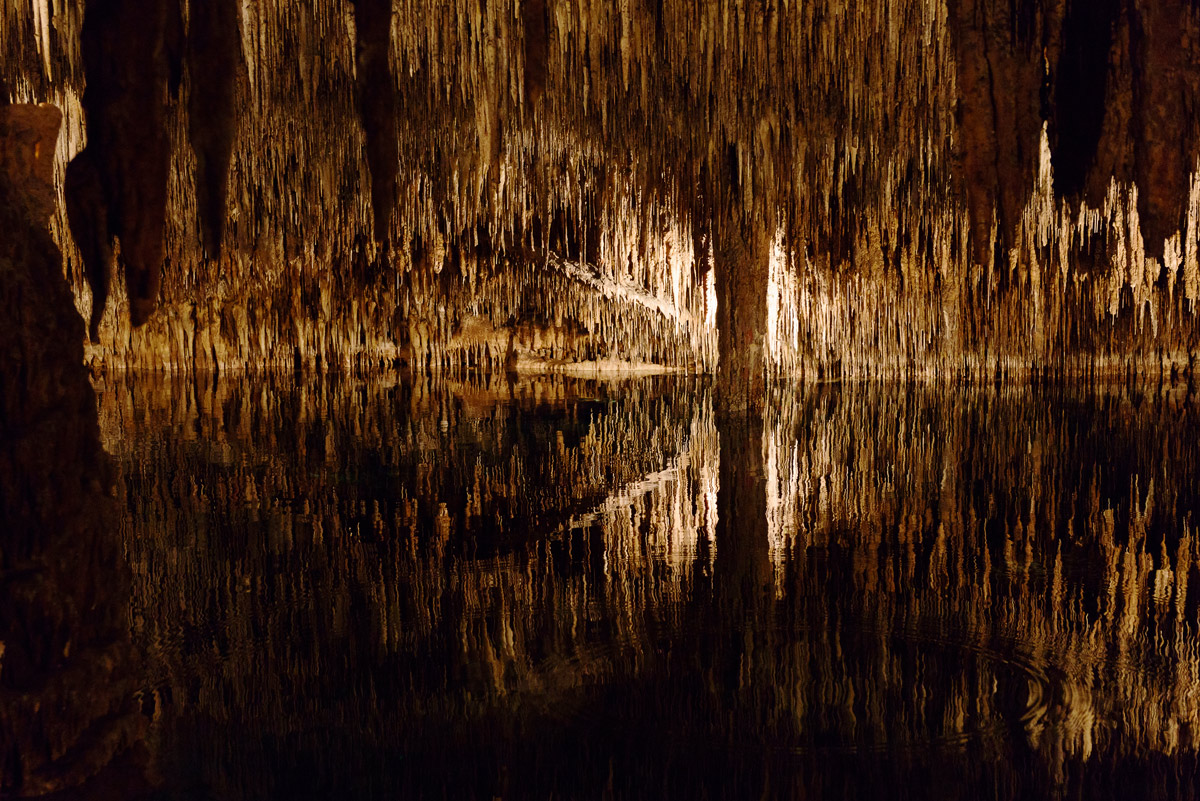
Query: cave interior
[744, 369]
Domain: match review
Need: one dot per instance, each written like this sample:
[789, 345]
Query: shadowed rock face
[1124, 108]
[1001, 55]
[131, 52]
[533, 17]
[377, 106]
[1165, 45]
[214, 61]
[1080, 89]
[67, 676]
[27, 142]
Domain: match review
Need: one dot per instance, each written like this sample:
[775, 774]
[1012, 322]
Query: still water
[579, 589]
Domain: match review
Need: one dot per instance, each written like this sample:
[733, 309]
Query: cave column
[741, 254]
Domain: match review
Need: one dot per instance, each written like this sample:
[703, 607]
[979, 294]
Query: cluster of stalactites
[1073, 288]
[609, 136]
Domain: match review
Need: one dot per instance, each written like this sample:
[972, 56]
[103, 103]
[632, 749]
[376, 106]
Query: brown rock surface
[66, 663]
[482, 142]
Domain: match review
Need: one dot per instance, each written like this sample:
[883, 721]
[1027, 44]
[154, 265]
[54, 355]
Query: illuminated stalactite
[883, 139]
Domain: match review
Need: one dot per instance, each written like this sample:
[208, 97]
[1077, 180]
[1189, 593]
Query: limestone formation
[950, 189]
[214, 59]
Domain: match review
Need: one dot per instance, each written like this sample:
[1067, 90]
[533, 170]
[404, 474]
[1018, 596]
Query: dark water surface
[579, 589]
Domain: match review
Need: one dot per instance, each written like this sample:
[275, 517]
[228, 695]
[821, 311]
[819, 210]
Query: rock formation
[949, 188]
[946, 189]
[67, 666]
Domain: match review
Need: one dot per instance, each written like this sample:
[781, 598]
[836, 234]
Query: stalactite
[87, 215]
[130, 145]
[916, 240]
[214, 56]
[377, 106]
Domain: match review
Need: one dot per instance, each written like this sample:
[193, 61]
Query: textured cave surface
[277, 207]
[935, 189]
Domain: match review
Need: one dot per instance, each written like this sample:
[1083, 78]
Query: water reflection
[568, 587]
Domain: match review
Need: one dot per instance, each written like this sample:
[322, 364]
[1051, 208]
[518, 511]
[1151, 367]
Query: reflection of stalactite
[576, 482]
[596, 484]
[978, 546]
[990, 543]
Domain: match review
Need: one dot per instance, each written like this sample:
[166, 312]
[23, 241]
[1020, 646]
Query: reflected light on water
[527, 588]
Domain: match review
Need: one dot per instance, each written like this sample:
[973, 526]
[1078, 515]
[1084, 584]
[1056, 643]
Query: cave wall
[962, 187]
[68, 669]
